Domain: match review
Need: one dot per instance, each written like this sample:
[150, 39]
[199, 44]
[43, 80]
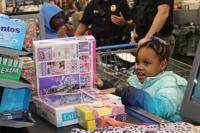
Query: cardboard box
[96, 110]
[89, 125]
[93, 124]
[60, 109]
[65, 64]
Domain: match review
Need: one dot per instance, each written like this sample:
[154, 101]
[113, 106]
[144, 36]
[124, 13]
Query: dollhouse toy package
[65, 73]
[60, 109]
[65, 65]
[12, 32]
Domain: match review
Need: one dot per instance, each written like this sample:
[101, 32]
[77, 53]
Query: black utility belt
[112, 37]
[112, 40]
[105, 41]
[119, 37]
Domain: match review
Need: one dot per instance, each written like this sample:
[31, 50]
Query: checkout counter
[135, 115]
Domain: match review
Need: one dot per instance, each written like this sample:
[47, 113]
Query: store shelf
[14, 116]
[144, 116]
[14, 84]
[15, 124]
[22, 13]
[11, 52]
[186, 16]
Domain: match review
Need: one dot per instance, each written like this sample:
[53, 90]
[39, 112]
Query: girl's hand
[108, 91]
[99, 83]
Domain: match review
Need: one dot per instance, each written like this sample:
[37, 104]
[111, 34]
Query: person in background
[152, 88]
[110, 21]
[79, 5]
[153, 17]
[54, 21]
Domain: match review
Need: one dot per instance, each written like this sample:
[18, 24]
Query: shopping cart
[117, 62]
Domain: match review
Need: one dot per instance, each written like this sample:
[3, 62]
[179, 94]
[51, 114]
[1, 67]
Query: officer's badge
[124, 37]
[113, 8]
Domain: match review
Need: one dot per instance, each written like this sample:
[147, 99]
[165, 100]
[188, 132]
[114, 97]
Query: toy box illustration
[65, 64]
[12, 32]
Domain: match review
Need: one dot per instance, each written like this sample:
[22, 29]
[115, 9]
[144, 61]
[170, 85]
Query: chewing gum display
[10, 68]
[12, 33]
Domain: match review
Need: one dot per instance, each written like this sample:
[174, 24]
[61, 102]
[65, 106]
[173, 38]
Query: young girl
[155, 90]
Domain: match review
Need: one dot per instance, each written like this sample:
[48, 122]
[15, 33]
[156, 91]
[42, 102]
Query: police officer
[153, 17]
[110, 21]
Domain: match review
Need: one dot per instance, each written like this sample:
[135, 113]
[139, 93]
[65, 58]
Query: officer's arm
[159, 20]
[82, 28]
[125, 10]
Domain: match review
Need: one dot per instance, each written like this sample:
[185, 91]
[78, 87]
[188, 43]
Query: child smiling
[152, 88]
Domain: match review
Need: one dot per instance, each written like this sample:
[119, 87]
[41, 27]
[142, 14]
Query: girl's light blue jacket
[161, 95]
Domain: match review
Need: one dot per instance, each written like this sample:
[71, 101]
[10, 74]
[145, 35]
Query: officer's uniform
[98, 15]
[144, 12]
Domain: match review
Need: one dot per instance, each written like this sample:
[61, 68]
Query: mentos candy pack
[12, 32]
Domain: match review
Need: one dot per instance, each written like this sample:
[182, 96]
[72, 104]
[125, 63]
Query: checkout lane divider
[144, 116]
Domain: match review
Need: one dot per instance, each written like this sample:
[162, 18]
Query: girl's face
[148, 64]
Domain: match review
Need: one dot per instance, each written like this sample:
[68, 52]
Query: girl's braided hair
[159, 46]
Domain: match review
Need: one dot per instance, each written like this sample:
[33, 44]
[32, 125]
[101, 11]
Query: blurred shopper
[54, 21]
